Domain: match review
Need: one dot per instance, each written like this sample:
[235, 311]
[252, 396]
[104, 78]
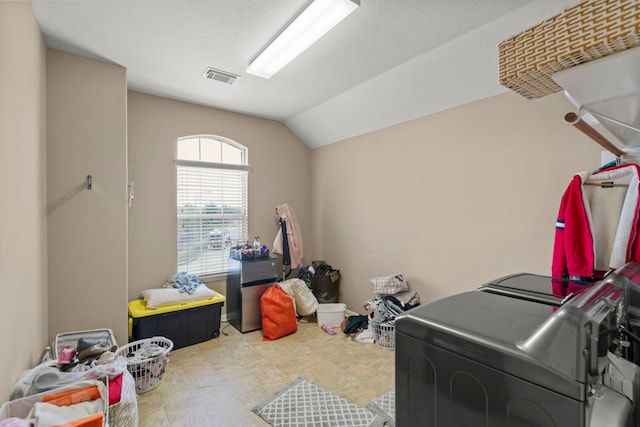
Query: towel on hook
[294, 236]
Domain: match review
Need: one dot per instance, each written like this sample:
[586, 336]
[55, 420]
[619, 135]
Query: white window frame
[199, 251]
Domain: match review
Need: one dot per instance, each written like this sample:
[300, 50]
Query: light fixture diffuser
[314, 22]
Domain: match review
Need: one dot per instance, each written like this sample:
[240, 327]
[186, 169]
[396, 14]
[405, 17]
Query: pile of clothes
[78, 363]
[385, 308]
[184, 281]
[391, 298]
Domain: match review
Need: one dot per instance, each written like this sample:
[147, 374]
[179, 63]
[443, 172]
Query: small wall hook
[89, 182]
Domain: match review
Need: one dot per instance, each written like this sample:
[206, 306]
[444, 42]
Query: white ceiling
[388, 62]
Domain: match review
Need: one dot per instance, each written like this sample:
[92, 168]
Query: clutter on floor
[392, 297]
[304, 302]
[330, 329]
[83, 403]
[331, 314]
[81, 379]
[146, 361]
[357, 328]
[278, 314]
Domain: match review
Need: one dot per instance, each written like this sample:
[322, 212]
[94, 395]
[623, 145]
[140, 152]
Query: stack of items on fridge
[81, 381]
[392, 298]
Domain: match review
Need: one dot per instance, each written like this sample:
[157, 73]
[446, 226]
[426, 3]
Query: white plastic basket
[99, 336]
[331, 314]
[146, 361]
[385, 335]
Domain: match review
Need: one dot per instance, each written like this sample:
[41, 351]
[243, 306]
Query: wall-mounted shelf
[592, 52]
[580, 34]
[609, 90]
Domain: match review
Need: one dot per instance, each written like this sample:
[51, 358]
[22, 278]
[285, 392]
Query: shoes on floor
[66, 355]
[329, 329]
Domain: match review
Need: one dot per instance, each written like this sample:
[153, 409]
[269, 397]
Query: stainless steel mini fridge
[246, 282]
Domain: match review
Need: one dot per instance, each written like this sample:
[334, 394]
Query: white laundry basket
[385, 335]
[146, 361]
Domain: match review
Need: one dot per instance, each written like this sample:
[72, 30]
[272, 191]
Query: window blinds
[212, 214]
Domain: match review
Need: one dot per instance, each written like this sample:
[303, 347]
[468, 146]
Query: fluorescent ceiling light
[314, 22]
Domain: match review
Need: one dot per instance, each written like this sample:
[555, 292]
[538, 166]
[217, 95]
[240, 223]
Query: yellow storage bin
[184, 323]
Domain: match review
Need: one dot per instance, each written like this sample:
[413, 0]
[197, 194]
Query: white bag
[125, 412]
[287, 286]
[389, 285]
[306, 302]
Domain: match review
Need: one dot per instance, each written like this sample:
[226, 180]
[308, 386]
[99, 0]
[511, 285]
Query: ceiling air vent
[219, 75]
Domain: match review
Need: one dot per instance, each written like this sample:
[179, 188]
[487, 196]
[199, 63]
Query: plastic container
[146, 361]
[331, 314]
[183, 323]
[100, 336]
[20, 408]
[385, 335]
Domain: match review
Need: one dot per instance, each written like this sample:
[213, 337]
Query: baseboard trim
[347, 313]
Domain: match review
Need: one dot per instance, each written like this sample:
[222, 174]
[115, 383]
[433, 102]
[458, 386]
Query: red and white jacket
[577, 252]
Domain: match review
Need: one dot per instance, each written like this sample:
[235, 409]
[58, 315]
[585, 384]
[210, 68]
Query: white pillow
[161, 297]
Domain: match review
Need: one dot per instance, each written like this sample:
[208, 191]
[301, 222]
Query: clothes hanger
[604, 184]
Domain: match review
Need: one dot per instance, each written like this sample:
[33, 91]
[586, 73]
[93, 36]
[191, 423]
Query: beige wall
[87, 236]
[279, 174]
[450, 200]
[23, 227]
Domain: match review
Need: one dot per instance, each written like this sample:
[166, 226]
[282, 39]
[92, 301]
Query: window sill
[218, 277]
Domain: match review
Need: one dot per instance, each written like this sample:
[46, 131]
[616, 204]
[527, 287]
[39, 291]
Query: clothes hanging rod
[575, 120]
[605, 184]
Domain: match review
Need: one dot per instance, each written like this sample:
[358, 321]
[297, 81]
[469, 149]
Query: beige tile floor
[216, 383]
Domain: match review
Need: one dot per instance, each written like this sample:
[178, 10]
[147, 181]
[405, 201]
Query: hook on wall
[89, 182]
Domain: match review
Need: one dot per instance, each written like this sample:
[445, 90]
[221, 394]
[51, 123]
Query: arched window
[212, 202]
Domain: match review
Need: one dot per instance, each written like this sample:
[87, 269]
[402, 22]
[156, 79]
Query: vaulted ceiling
[388, 62]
